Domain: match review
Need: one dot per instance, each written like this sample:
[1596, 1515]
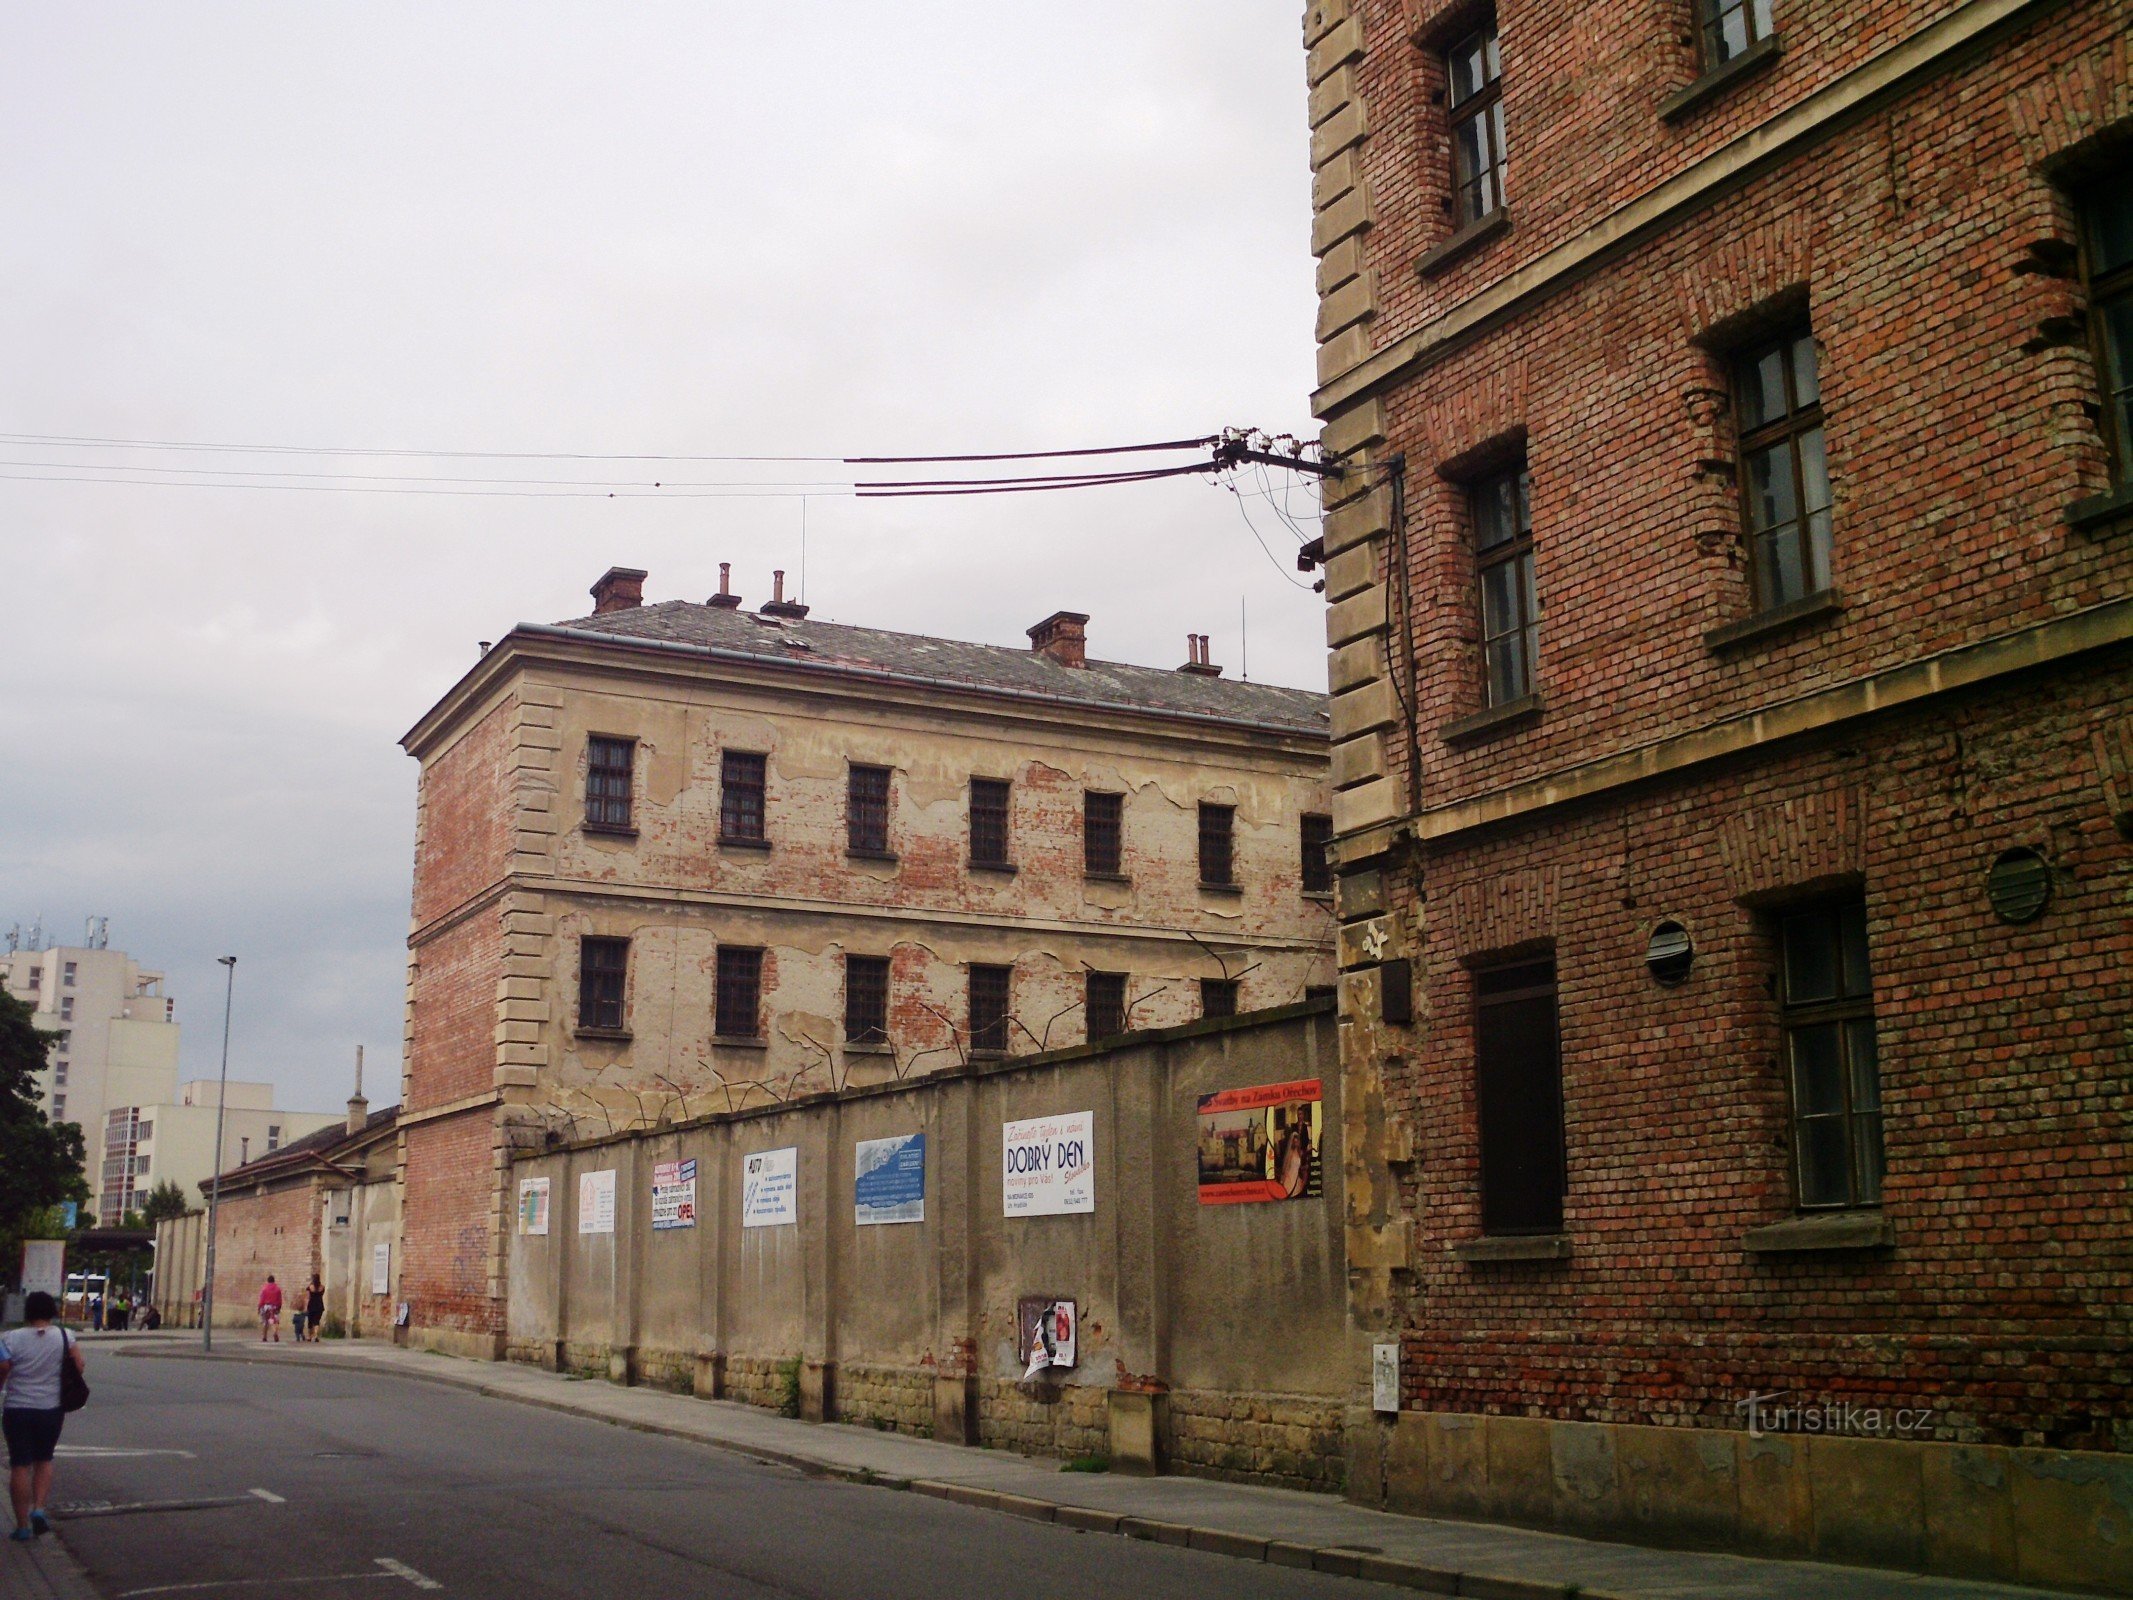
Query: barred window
[1218, 997]
[1105, 1005]
[740, 808]
[1317, 862]
[1784, 473]
[1510, 609]
[1827, 1013]
[1218, 853]
[608, 768]
[988, 822]
[867, 811]
[740, 992]
[1474, 68]
[1728, 27]
[866, 999]
[1103, 834]
[2107, 263]
[988, 1009]
[603, 967]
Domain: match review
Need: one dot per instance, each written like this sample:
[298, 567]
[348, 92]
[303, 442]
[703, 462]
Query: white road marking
[253, 1583]
[271, 1497]
[400, 1569]
[110, 1452]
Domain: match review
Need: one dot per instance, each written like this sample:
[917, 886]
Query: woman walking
[314, 1308]
[30, 1413]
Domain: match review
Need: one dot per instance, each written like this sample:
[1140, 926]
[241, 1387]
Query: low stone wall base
[2055, 1518]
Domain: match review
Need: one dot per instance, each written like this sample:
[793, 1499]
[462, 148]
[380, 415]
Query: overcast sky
[809, 229]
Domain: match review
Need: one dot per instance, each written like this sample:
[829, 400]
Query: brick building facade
[1731, 588]
[676, 858]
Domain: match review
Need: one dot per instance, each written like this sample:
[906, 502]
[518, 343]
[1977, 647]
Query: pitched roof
[320, 1142]
[983, 667]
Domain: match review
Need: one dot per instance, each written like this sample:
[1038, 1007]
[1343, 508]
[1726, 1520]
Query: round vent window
[2020, 885]
[1671, 953]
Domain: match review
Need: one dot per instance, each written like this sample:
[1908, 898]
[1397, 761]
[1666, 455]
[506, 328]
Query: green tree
[166, 1199]
[41, 1162]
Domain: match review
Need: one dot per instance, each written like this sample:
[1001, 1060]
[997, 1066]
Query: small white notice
[533, 1206]
[770, 1188]
[381, 1267]
[1048, 1165]
[596, 1201]
[1385, 1377]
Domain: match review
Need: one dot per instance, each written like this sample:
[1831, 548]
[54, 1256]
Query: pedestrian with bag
[42, 1378]
[314, 1306]
[270, 1310]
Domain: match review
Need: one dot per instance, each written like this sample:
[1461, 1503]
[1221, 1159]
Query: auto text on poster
[770, 1188]
[673, 1195]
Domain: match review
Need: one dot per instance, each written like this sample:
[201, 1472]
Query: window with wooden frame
[1104, 1005]
[1784, 474]
[1103, 831]
[866, 999]
[740, 797]
[2107, 271]
[1317, 859]
[603, 976]
[1473, 70]
[609, 768]
[989, 799]
[1503, 569]
[989, 988]
[739, 1000]
[866, 811]
[1518, 1098]
[1826, 1013]
[1218, 997]
[1726, 29]
[1218, 845]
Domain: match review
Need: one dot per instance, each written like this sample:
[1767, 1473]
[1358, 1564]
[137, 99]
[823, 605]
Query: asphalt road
[275, 1480]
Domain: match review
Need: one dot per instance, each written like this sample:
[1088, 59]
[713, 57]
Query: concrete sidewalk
[1273, 1525]
[41, 1571]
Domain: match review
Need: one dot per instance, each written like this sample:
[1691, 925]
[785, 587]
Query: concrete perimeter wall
[1212, 1337]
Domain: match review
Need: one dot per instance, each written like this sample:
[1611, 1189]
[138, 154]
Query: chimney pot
[619, 589]
[1196, 661]
[1063, 637]
[725, 599]
[778, 605]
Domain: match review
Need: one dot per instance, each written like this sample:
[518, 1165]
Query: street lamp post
[214, 1182]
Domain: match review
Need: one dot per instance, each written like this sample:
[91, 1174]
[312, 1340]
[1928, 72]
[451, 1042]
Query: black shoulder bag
[73, 1387]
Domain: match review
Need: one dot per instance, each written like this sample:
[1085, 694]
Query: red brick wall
[452, 1048]
[448, 1222]
[256, 1234]
[467, 819]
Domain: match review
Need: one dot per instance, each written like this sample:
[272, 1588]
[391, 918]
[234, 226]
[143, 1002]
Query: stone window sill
[1109, 877]
[1220, 888]
[605, 1035]
[1325, 896]
[882, 1049]
[611, 830]
[988, 1055]
[1814, 607]
[1471, 237]
[1495, 720]
[736, 1041]
[1513, 1247]
[1846, 1230]
[728, 841]
[888, 857]
[1720, 78]
[2100, 511]
[1007, 868]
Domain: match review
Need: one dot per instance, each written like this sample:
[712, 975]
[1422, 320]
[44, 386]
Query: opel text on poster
[673, 1195]
[1261, 1143]
[1048, 1165]
[889, 1180]
[770, 1188]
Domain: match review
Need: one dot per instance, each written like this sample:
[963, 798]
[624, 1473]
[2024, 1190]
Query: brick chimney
[777, 605]
[619, 589]
[1196, 661]
[358, 1107]
[1064, 637]
[725, 599]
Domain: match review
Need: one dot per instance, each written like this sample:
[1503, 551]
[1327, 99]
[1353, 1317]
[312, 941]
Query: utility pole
[214, 1182]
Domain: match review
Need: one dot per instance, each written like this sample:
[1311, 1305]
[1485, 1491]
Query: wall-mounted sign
[1050, 1328]
[1261, 1143]
[770, 1188]
[533, 1205]
[889, 1180]
[381, 1267]
[673, 1195]
[1048, 1165]
[1385, 1377]
[596, 1201]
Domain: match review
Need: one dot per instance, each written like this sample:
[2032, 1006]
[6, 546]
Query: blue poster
[889, 1180]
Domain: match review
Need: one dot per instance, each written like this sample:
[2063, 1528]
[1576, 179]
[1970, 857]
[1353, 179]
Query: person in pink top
[270, 1311]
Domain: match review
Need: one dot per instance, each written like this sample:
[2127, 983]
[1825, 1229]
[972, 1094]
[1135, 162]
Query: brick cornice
[1968, 28]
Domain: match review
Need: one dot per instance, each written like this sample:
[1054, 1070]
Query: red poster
[1261, 1143]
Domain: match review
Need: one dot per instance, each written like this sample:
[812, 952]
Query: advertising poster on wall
[1048, 1165]
[533, 1206]
[1050, 1329]
[889, 1180]
[1261, 1143]
[381, 1268]
[596, 1201]
[673, 1195]
[44, 1266]
[770, 1188]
